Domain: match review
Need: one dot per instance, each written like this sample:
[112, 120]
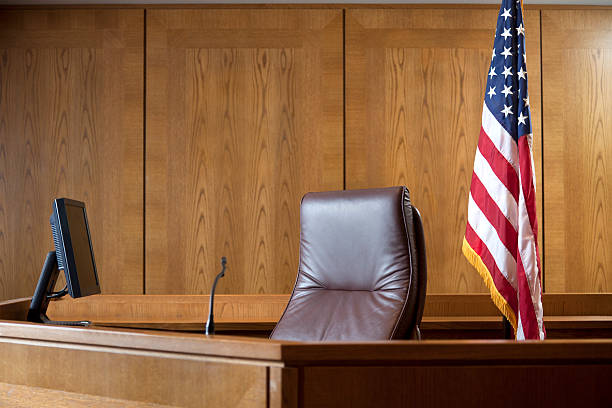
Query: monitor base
[44, 292]
[82, 323]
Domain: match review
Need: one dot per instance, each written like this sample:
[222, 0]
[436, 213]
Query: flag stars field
[491, 92]
[507, 90]
[507, 110]
[507, 71]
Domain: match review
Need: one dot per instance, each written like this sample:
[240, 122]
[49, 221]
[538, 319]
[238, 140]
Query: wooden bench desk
[103, 366]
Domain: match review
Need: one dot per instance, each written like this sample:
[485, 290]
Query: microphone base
[210, 327]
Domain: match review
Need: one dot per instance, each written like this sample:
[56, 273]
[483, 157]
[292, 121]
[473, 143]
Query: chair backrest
[362, 270]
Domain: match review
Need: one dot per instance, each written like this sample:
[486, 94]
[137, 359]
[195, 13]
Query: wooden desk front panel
[458, 386]
[122, 372]
[24, 396]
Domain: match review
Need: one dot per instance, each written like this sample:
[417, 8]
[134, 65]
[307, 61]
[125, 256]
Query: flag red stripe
[507, 234]
[499, 164]
[528, 316]
[529, 321]
[501, 283]
[527, 179]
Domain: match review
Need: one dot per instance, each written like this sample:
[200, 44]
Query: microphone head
[223, 264]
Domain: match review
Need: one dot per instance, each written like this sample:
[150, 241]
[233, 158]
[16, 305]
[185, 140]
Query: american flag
[501, 238]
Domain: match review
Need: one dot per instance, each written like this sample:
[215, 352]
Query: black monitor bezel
[70, 270]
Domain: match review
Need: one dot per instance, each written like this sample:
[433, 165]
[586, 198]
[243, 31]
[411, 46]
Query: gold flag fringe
[498, 299]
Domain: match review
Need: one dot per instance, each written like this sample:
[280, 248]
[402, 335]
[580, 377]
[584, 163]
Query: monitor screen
[73, 247]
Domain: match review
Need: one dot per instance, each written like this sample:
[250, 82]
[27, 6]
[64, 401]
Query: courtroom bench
[101, 366]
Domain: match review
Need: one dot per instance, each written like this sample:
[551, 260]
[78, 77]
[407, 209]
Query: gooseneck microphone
[210, 323]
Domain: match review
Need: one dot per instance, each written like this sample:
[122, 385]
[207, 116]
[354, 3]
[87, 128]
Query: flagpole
[508, 329]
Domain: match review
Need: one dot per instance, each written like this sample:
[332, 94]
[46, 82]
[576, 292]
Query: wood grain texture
[165, 308]
[22, 396]
[15, 309]
[268, 308]
[577, 85]
[283, 387]
[244, 116]
[71, 125]
[415, 82]
[465, 385]
[195, 345]
[121, 373]
[443, 352]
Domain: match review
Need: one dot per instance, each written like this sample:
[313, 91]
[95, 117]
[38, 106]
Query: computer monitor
[73, 254]
[73, 247]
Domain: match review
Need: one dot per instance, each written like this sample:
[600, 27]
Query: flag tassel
[497, 298]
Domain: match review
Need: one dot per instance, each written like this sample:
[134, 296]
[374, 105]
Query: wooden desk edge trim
[441, 352]
[182, 343]
[311, 353]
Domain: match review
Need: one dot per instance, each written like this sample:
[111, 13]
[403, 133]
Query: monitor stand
[44, 292]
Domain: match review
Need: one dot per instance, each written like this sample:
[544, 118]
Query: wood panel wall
[247, 109]
[415, 82]
[577, 87]
[244, 116]
[71, 98]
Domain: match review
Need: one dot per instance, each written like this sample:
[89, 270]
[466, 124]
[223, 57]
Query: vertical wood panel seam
[268, 403]
[542, 235]
[344, 98]
[144, 155]
[300, 385]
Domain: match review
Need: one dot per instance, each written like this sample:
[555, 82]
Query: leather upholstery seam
[408, 291]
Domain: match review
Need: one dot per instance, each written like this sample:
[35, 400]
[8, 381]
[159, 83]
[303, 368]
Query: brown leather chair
[362, 272]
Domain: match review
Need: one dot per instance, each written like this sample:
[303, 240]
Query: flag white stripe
[520, 334]
[502, 140]
[496, 189]
[528, 256]
[488, 235]
[533, 171]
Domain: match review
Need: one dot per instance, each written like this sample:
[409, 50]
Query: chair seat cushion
[341, 315]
